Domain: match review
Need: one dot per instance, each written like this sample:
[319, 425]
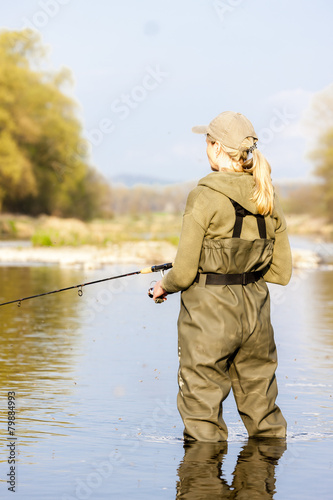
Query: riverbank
[136, 252]
[50, 231]
[130, 239]
[54, 231]
[88, 256]
[308, 225]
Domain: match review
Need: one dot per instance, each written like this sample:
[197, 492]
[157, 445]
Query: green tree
[323, 158]
[318, 121]
[44, 164]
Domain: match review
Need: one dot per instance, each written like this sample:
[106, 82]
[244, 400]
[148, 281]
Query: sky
[145, 72]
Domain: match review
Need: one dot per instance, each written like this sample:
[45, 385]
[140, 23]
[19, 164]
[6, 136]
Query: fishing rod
[145, 270]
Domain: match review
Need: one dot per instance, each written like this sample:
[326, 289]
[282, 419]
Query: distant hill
[130, 180]
[285, 186]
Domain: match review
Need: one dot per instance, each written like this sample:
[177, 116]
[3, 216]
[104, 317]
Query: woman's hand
[159, 292]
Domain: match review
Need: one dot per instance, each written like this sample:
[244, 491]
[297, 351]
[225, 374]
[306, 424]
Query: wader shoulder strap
[241, 212]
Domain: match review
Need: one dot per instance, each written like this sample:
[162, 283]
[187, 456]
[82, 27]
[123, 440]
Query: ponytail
[263, 194]
[258, 166]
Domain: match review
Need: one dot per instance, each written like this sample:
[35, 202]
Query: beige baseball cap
[228, 128]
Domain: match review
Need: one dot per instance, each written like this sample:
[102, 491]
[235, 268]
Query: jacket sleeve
[280, 269]
[195, 222]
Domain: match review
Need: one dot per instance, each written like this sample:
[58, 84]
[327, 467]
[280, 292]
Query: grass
[49, 231]
[53, 231]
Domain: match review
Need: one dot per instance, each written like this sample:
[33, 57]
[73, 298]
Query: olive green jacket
[209, 215]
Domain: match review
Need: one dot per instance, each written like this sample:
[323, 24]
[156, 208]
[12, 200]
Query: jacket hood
[235, 185]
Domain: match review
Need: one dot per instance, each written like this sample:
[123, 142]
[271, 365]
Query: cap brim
[200, 129]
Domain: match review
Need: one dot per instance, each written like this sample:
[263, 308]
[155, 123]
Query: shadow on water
[201, 470]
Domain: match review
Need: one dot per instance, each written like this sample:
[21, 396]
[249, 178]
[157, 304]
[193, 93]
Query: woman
[233, 240]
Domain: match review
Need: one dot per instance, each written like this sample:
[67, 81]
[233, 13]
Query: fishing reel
[158, 300]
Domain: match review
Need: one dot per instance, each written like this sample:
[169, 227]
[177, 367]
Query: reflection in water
[39, 346]
[201, 470]
[37, 338]
[321, 311]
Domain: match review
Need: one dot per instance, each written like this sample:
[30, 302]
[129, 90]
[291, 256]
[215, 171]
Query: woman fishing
[233, 241]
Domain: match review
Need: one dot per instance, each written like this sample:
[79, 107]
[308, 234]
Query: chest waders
[226, 339]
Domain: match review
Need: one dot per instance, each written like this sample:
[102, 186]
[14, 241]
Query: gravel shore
[141, 252]
[89, 257]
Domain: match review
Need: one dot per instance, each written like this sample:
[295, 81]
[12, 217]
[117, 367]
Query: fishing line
[146, 270]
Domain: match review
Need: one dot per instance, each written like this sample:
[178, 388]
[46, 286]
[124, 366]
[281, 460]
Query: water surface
[95, 385]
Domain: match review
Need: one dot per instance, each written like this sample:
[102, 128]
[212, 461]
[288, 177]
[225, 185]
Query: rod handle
[154, 269]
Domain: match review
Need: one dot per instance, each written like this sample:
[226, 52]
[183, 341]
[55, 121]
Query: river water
[95, 383]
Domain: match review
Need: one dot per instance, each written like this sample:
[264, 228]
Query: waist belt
[230, 279]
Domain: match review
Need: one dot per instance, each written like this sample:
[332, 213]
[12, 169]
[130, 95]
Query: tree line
[141, 199]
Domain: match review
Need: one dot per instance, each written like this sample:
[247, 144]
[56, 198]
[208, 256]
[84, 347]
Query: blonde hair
[258, 166]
